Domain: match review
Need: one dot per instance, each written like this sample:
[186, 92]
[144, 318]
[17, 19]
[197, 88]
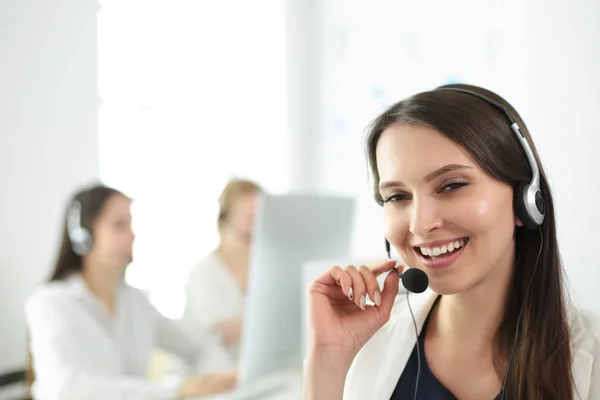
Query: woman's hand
[340, 322]
[230, 331]
[205, 385]
[339, 315]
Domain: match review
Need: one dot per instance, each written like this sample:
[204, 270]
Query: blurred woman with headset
[216, 286]
[91, 335]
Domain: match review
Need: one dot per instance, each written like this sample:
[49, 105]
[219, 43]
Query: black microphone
[414, 280]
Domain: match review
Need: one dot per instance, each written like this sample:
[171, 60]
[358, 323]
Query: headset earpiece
[81, 239]
[529, 205]
[529, 202]
[520, 206]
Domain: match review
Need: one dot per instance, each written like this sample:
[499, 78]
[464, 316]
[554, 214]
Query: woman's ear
[518, 221]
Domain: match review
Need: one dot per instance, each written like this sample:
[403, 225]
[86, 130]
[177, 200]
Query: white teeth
[447, 248]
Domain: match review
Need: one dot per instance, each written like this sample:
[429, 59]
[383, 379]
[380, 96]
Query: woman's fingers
[382, 266]
[358, 286]
[343, 279]
[371, 284]
[390, 290]
[355, 284]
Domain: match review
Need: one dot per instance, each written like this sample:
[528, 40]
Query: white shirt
[377, 367]
[213, 296]
[80, 351]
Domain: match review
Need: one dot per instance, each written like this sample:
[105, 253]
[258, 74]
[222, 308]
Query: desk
[285, 385]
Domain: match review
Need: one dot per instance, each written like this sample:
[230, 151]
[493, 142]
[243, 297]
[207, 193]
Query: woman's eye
[395, 198]
[453, 186]
[449, 187]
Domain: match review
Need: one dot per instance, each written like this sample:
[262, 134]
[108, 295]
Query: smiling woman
[457, 202]
[466, 200]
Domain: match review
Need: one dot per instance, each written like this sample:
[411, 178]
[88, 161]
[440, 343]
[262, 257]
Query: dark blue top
[429, 387]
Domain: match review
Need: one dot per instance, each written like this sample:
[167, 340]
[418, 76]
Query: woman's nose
[424, 217]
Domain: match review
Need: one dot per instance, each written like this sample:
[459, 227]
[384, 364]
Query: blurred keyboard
[282, 386]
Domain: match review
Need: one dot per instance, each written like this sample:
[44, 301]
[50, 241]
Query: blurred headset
[529, 201]
[224, 220]
[80, 237]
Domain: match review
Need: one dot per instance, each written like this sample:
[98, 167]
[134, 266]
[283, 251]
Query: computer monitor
[289, 230]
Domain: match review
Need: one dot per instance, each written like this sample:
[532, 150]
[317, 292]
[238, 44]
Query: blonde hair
[232, 192]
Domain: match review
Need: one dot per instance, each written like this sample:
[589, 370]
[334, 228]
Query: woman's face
[241, 216]
[443, 213]
[113, 237]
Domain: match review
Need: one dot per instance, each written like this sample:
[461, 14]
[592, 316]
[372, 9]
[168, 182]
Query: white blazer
[212, 296]
[376, 369]
[80, 351]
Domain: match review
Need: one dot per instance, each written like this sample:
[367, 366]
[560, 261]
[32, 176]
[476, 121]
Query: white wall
[48, 107]
[562, 64]
[374, 54]
[48, 142]
[546, 63]
[303, 17]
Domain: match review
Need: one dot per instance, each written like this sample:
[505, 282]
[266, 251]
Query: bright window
[190, 94]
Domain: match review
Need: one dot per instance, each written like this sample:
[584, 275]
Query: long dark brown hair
[541, 368]
[92, 201]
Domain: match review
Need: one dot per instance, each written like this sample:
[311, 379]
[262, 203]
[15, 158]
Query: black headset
[80, 237]
[528, 199]
[529, 206]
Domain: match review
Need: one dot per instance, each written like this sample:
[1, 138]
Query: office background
[166, 99]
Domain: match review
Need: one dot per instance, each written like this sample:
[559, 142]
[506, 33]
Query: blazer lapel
[377, 367]
[403, 339]
[583, 360]
[581, 369]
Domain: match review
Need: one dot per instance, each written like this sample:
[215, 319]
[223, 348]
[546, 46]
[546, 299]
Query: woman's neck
[103, 281]
[472, 318]
[234, 254]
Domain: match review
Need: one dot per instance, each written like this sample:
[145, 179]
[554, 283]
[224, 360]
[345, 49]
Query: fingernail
[350, 294]
[363, 301]
[377, 298]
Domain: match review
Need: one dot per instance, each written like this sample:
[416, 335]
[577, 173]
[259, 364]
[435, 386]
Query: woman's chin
[445, 286]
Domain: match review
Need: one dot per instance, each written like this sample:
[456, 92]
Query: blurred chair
[13, 385]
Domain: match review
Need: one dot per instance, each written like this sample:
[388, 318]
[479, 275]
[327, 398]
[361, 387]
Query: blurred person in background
[91, 335]
[216, 286]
